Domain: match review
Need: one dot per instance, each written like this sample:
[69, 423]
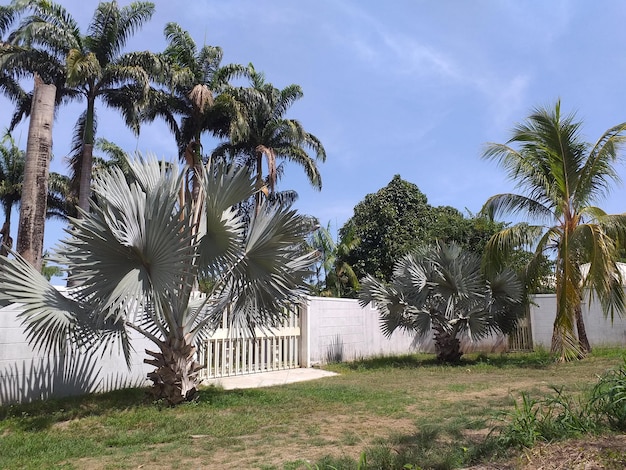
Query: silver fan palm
[442, 290]
[135, 259]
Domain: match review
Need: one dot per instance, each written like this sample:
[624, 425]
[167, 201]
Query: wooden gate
[224, 355]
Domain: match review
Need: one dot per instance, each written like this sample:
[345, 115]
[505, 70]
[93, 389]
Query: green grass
[393, 412]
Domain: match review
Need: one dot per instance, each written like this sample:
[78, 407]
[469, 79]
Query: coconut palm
[560, 176]
[442, 289]
[136, 256]
[263, 131]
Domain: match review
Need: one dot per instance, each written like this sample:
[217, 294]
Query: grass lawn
[377, 408]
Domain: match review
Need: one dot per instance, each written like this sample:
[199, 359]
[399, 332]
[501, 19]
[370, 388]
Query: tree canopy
[397, 219]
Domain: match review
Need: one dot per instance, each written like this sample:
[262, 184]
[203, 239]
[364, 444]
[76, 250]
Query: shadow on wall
[64, 375]
[334, 351]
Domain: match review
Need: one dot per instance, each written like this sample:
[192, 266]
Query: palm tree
[342, 277]
[36, 171]
[189, 95]
[16, 62]
[442, 290]
[263, 131]
[94, 65]
[11, 177]
[136, 257]
[560, 176]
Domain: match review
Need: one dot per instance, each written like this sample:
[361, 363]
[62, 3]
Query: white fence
[323, 330]
[224, 354]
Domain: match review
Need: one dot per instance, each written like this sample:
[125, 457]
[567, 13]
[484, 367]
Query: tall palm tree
[36, 172]
[442, 290]
[560, 176]
[135, 258]
[263, 132]
[16, 62]
[94, 65]
[189, 95]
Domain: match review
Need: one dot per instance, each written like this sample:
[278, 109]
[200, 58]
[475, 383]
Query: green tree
[136, 256]
[397, 219]
[442, 290]
[560, 176]
[261, 132]
[388, 224]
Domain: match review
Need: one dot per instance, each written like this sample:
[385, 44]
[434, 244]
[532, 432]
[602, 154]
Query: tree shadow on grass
[44, 391]
[535, 360]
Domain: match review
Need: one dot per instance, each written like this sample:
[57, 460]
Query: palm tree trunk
[36, 169]
[583, 341]
[258, 198]
[447, 345]
[6, 242]
[175, 378]
[84, 188]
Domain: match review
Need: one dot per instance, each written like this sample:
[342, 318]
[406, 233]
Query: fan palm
[135, 258]
[263, 131]
[441, 289]
[560, 176]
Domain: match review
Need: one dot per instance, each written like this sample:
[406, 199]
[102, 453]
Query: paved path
[269, 379]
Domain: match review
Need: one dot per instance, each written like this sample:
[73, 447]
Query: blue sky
[409, 87]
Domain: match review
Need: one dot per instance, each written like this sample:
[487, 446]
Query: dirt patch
[600, 453]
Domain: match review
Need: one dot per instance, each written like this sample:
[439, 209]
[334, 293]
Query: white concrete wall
[339, 329]
[600, 330]
[332, 329]
[27, 374]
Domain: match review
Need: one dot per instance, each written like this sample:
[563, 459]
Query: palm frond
[52, 320]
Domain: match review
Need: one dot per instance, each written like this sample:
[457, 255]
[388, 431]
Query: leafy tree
[397, 219]
[388, 224]
[442, 290]
[560, 176]
[136, 256]
[322, 244]
[262, 132]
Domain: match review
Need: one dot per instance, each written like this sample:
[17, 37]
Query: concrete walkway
[269, 379]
